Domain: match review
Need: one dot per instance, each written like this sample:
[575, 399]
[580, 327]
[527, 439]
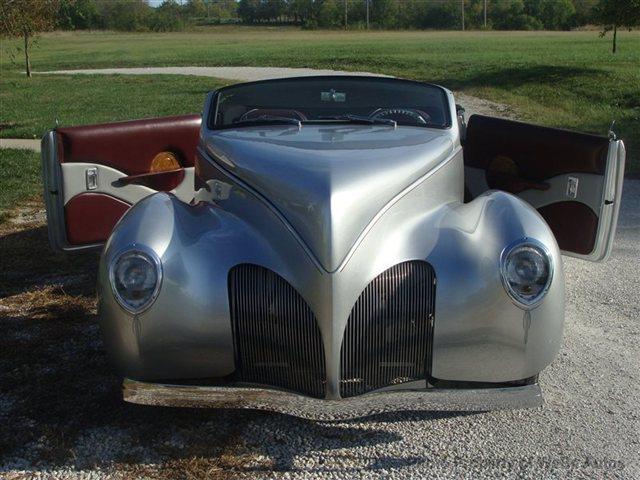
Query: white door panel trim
[74, 183]
[589, 189]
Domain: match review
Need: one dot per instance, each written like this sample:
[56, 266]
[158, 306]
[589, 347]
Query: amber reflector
[164, 161]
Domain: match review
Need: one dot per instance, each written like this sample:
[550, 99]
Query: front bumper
[434, 399]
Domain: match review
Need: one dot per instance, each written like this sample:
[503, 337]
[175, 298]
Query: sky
[155, 3]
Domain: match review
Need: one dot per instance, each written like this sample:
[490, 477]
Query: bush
[126, 15]
[167, 17]
[79, 15]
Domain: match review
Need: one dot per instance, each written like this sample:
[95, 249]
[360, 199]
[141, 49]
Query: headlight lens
[526, 272]
[135, 279]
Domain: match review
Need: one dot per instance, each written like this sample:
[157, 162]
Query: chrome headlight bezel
[516, 298]
[153, 259]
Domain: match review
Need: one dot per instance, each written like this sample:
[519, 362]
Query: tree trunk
[485, 14]
[367, 14]
[26, 54]
[615, 34]
[346, 14]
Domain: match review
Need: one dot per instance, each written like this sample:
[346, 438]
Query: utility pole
[485, 14]
[367, 13]
[462, 4]
[346, 14]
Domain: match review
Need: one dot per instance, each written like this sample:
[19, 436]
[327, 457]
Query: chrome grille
[388, 336]
[276, 336]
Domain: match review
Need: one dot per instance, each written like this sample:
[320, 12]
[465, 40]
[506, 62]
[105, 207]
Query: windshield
[331, 99]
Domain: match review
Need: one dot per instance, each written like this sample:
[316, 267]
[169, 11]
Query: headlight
[526, 269]
[135, 277]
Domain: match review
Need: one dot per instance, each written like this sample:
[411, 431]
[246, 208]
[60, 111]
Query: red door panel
[567, 218]
[130, 146]
[538, 152]
[94, 173]
[572, 179]
[91, 217]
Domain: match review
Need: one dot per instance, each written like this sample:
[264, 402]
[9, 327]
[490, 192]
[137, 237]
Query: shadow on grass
[519, 75]
[61, 407]
[28, 263]
[583, 87]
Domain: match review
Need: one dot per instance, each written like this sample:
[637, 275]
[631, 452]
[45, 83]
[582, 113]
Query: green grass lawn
[564, 79]
[19, 178]
[31, 106]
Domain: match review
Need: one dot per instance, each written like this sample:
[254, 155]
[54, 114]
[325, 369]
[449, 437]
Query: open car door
[574, 180]
[93, 174]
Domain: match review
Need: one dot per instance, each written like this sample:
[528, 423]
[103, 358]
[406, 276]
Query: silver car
[332, 246]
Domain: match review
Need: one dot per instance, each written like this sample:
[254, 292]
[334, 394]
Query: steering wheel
[273, 112]
[402, 115]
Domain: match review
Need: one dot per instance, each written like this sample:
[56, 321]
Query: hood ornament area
[330, 182]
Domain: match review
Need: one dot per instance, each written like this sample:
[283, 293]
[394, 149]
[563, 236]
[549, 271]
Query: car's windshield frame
[216, 95]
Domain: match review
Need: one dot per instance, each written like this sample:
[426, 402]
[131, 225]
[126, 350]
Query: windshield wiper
[361, 120]
[268, 120]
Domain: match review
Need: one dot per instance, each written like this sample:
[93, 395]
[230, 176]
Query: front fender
[186, 332]
[480, 334]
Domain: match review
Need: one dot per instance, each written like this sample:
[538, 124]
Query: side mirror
[462, 122]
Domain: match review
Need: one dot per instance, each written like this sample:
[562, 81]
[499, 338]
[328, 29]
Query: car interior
[331, 99]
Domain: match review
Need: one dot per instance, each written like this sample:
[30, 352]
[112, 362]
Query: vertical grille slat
[276, 336]
[389, 333]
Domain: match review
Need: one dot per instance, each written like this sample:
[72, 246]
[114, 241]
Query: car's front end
[332, 269]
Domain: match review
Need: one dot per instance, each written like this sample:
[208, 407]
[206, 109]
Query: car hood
[330, 181]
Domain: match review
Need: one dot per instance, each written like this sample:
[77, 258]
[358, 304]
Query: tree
[167, 17]
[557, 14]
[195, 8]
[441, 15]
[304, 12]
[511, 15]
[127, 15]
[383, 13]
[552, 14]
[612, 14]
[78, 15]
[584, 11]
[271, 10]
[27, 18]
[220, 9]
[248, 10]
[331, 14]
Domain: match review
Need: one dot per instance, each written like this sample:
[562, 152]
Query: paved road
[242, 74]
[249, 74]
[20, 143]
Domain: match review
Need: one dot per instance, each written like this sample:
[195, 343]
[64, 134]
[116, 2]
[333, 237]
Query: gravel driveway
[250, 74]
[62, 417]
